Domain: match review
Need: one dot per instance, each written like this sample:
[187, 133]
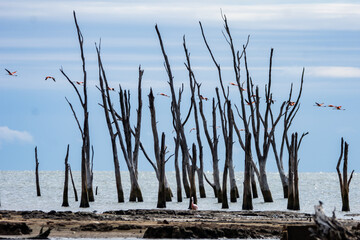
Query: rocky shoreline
[155, 223]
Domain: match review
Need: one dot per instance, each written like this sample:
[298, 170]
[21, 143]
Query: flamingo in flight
[163, 94]
[338, 108]
[192, 129]
[234, 84]
[11, 73]
[330, 105]
[248, 103]
[79, 83]
[291, 103]
[49, 77]
[193, 205]
[319, 104]
[203, 98]
[111, 89]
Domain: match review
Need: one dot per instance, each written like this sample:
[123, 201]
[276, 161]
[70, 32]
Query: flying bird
[11, 73]
[111, 89]
[203, 98]
[241, 130]
[192, 129]
[330, 105]
[163, 94]
[234, 84]
[338, 108]
[248, 103]
[319, 104]
[49, 77]
[193, 205]
[291, 103]
[79, 83]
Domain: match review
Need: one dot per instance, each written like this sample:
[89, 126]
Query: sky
[39, 37]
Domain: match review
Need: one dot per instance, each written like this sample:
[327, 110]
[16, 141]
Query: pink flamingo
[193, 205]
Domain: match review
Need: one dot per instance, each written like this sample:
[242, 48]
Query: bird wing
[8, 71]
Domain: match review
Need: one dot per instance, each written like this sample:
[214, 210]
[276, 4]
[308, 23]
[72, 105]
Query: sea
[18, 192]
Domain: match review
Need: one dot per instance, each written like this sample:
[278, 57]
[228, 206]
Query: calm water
[18, 192]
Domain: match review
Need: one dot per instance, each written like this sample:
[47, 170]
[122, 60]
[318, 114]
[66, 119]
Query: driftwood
[65, 202]
[42, 234]
[328, 228]
[343, 179]
[37, 174]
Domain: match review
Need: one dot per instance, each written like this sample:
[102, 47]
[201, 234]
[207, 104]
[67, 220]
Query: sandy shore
[155, 223]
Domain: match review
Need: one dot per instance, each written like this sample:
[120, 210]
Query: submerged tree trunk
[247, 198]
[73, 184]
[264, 186]
[343, 180]
[192, 177]
[38, 193]
[253, 183]
[162, 194]
[177, 170]
[66, 182]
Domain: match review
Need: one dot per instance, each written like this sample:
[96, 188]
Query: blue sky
[38, 37]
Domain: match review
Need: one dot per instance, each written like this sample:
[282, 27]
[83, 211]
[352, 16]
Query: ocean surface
[18, 192]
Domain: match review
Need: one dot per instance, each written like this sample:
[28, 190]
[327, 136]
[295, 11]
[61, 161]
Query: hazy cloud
[9, 135]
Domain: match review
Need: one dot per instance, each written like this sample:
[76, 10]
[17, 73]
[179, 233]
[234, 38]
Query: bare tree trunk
[247, 198]
[192, 177]
[253, 183]
[38, 193]
[161, 194]
[106, 100]
[290, 204]
[66, 183]
[177, 170]
[73, 184]
[343, 180]
[225, 204]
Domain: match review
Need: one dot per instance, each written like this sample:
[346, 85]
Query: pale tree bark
[106, 100]
[179, 126]
[343, 179]
[86, 174]
[65, 202]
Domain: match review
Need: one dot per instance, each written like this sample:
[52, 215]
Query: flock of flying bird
[203, 98]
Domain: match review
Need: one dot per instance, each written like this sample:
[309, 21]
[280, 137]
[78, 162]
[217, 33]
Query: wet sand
[157, 223]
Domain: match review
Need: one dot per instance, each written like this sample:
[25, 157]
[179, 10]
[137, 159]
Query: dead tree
[247, 198]
[86, 174]
[106, 100]
[343, 179]
[200, 169]
[213, 145]
[38, 193]
[234, 193]
[157, 150]
[177, 169]
[292, 107]
[193, 198]
[162, 190]
[293, 190]
[176, 113]
[73, 184]
[66, 182]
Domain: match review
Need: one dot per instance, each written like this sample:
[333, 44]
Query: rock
[13, 228]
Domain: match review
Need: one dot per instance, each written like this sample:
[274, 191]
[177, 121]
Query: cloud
[340, 16]
[9, 135]
[334, 72]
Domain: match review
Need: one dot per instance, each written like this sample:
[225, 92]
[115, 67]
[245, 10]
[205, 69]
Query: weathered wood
[162, 194]
[193, 83]
[247, 198]
[343, 179]
[38, 193]
[73, 184]
[86, 173]
[65, 202]
[106, 100]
